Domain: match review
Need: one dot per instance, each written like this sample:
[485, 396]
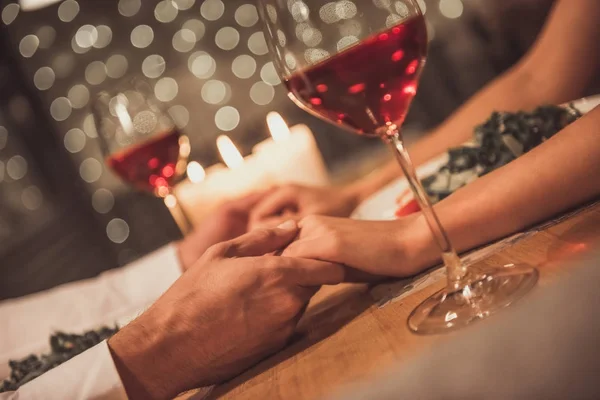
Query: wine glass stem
[178, 212]
[455, 269]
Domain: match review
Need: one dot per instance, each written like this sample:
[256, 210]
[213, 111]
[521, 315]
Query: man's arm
[233, 307]
[557, 69]
[78, 306]
[115, 295]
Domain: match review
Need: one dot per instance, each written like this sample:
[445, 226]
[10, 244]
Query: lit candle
[292, 155]
[207, 189]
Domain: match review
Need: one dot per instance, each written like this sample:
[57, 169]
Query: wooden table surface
[346, 336]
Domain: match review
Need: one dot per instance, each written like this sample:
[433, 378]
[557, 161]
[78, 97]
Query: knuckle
[290, 306]
[290, 190]
[265, 234]
[271, 270]
[293, 250]
[217, 250]
[310, 221]
[334, 245]
[272, 264]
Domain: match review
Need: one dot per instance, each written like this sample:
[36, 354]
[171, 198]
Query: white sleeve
[75, 307]
[90, 375]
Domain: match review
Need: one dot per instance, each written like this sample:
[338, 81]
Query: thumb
[262, 241]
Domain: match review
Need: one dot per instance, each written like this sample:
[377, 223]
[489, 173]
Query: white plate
[382, 205]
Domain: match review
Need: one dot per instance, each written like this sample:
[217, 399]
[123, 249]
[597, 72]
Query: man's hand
[225, 223]
[293, 201]
[232, 308]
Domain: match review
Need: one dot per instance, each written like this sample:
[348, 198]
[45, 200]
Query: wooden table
[345, 336]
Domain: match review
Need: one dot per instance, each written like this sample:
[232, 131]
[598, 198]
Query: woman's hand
[382, 248]
[295, 202]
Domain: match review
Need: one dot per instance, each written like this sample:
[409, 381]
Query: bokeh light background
[209, 65]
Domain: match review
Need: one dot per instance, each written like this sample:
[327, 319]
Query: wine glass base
[486, 293]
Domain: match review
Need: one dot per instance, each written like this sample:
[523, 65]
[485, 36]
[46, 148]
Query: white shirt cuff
[90, 375]
[113, 297]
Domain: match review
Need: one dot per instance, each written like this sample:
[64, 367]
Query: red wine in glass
[370, 85]
[152, 165]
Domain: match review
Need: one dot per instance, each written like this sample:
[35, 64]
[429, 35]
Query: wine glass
[142, 144]
[357, 64]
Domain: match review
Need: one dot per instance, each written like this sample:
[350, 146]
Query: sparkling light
[227, 38]
[44, 78]
[74, 140]
[243, 66]
[117, 230]
[212, 10]
[68, 10]
[246, 15]
[262, 93]
[103, 201]
[10, 13]
[227, 118]
[451, 8]
[61, 109]
[142, 36]
[166, 89]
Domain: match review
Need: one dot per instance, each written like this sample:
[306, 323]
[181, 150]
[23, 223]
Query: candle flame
[229, 153]
[278, 127]
[195, 172]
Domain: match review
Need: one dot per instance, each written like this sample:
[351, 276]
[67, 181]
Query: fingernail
[288, 226]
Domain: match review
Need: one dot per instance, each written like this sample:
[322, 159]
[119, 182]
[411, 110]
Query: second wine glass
[357, 64]
[142, 143]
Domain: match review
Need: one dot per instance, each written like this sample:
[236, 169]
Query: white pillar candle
[292, 155]
[202, 193]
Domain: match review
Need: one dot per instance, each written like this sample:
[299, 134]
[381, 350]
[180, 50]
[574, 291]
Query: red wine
[151, 165]
[369, 86]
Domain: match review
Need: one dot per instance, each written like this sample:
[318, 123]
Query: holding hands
[295, 202]
[233, 307]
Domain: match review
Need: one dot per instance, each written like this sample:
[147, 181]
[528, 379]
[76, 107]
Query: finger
[357, 276]
[274, 221]
[316, 249]
[274, 204]
[311, 273]
[262, 241]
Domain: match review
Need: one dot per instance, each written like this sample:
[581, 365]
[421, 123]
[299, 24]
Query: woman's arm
[557, 175]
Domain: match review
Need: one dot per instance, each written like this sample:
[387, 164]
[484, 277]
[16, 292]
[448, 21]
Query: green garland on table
[500, 140]
[63, 347]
